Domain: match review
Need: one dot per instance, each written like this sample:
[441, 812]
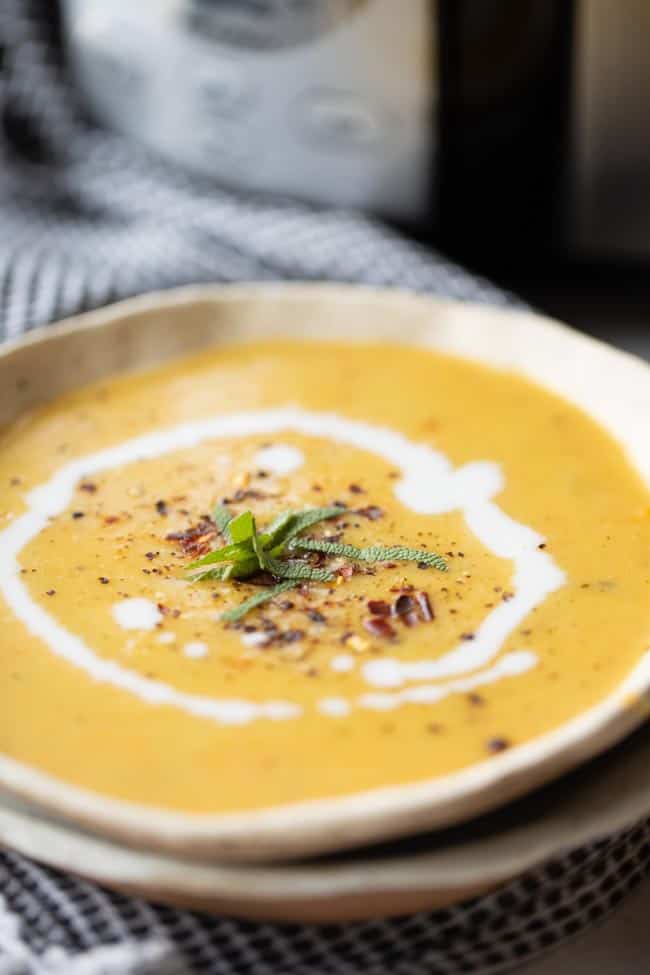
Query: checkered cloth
[86, 219]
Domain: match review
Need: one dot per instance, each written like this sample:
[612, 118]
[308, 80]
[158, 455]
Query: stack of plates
[604, 800]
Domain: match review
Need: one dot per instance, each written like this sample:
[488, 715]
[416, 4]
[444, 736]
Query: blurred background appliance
[500, 129]
[435, 114]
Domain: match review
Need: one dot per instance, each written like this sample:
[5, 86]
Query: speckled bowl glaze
[156, 328]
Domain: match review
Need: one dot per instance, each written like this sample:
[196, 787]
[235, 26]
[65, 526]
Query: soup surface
[118, 672]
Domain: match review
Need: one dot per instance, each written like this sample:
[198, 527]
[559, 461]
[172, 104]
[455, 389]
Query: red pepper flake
[379, 626]
[161, 508]
[355, 489]
[195, 541]
[243, 494]
[151, 555]
[542, 545]
[78, 514]
[410, 619]
[262, 474]
[476, 699]
[104, 581]
[507, 596]
[495, 745]
[51, 592]
[315, 616]
[407, 587]
[111, 519]
[467, 636]
[88, 486]
[403, 605]
[425, 607]
[378, 607]
[291, 636]
[316, 487]
[372, 512]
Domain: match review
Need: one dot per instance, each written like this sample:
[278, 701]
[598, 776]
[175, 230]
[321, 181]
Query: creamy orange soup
[117, 672]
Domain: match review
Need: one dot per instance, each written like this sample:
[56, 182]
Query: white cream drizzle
[334, 707]
[279, 459]
[429, 485]
[166, 638]
[136, 614]
[509, 665]
[342, 663]
[195, 650]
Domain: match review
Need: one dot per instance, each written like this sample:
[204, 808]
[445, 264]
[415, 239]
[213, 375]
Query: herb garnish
[247, 553]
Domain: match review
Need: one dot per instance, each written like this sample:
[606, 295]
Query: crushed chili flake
[88, 486]
[291, 636]
[378, 607]
[467, 636]
[111, 519]
[475, 699]
[495, 745]
[371, 511]
[161, 508]
[104, 581]
[425, 606]
[403, 605]
[542, 545]
[315, 616]
[51, 592]
[379, 626]
[196, 540]
[243, 494]
[355, 489]
[150, 555]
[410, 619]
[78, 514]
